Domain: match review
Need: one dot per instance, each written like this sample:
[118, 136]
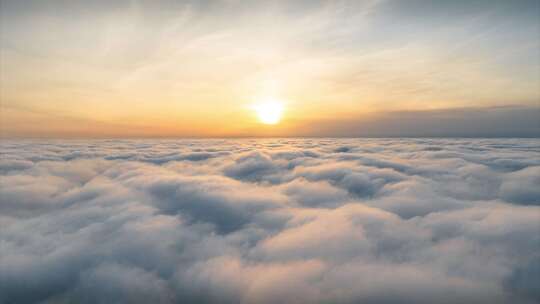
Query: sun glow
[269, 111]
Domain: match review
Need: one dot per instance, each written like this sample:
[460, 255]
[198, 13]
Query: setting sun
[269, 111]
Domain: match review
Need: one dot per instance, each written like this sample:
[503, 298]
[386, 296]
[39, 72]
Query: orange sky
[192, 69]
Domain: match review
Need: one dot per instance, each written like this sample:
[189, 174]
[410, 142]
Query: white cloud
[266, 221]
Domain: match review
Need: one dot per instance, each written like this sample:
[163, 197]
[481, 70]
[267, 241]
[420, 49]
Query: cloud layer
[270, 221]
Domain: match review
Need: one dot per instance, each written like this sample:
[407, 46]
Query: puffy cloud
[522, 186]
[266, 221]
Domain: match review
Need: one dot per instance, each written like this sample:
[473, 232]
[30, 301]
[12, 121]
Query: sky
[339, 68]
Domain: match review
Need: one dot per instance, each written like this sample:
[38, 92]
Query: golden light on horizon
[269, 111]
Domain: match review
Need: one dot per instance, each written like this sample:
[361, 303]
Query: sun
[269, 111]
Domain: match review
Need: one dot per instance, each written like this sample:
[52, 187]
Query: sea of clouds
[270, 221]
